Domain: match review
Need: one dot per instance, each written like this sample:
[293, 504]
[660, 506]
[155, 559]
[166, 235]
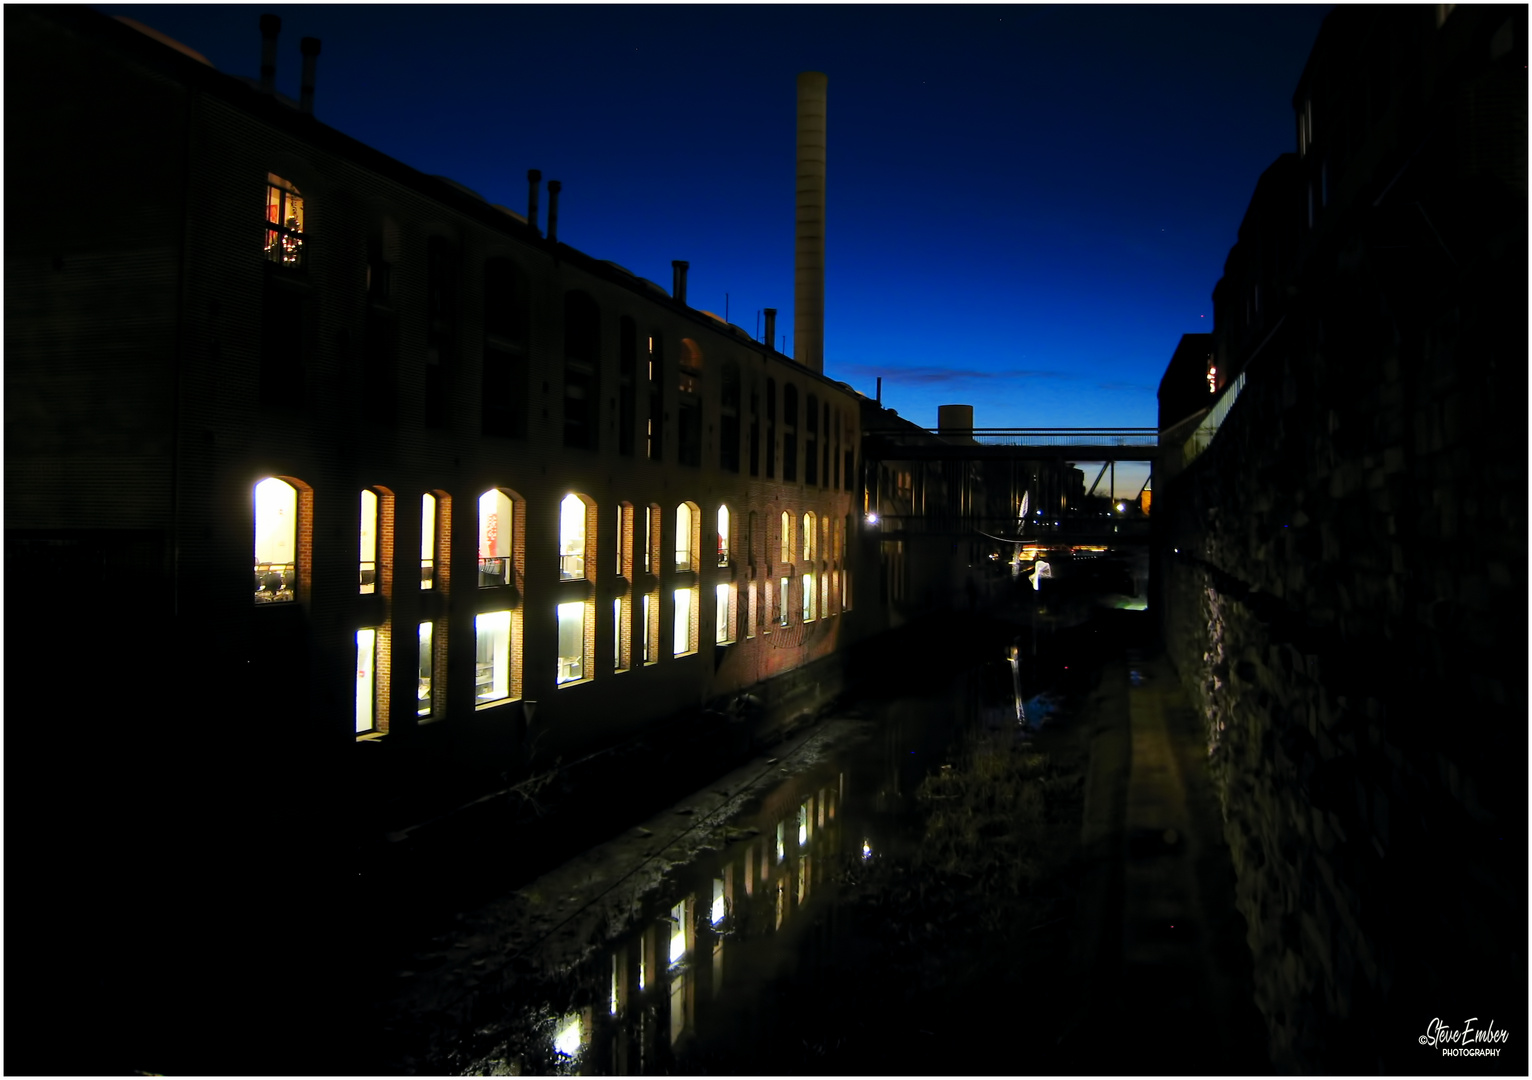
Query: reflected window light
[678, 933]
[781, 840]
[719, 907]
[567, 1041]
[866, 850]
[872, 518]
[613, 1005]
[803, 825]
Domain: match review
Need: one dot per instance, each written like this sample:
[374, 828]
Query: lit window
[808, 597]
[787, 537]
[427, 669]
[687, 526]
[276, 541]
[824, 594]
[622, 638]
[572, 539]
[496, 529]
[284, 222]
[571, 642]
[366, 679]
[651, 614]
[492, 657]
[784, 615]
[723, 631]
[678, 932]
[808, 537]
[427, 540]
[685, 635]
[368, 564]
[723, 536]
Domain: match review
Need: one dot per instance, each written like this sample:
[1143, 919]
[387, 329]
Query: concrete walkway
[1166, 982]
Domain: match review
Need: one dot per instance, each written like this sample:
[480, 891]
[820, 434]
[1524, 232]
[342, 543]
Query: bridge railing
[1028, 436]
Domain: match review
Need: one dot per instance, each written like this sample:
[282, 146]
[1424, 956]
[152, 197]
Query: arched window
[498, 539]
[281, 549]
[577, 537]
[375, 541]
[688, 536]
[810, 538]
[723, 536]
[284, 222]
[787, 537]
[582, 369]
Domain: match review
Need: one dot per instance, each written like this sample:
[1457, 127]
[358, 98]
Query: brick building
[356, 459]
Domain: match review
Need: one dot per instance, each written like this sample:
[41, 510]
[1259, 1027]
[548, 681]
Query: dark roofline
[238, 93]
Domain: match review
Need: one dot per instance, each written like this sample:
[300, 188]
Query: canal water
[719, 935]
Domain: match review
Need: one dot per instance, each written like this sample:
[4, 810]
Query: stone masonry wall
[1345, 588]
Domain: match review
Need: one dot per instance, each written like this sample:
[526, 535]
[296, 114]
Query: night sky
[1026, 206]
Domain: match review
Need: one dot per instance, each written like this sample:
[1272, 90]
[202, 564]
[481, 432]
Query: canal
[892, 890]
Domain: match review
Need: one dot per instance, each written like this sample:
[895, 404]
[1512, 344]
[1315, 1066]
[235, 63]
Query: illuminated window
[622, 635]
[784, 613]
[284, 222]
[751, 613]
[497, 526]
[492, 657]
[366, 679]
[423, 702]
[723, 536]
[808, 597]
[651, 628]
[685, 627]
[427, 541]
[809, 537]
[787, 537]
[276, 541]
[688, 536]
[571, 642]
[368, 564]
[572, 511]
[824, 595]
[723, 629]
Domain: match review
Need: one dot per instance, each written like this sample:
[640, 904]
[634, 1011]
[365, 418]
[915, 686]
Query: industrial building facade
[371, 440]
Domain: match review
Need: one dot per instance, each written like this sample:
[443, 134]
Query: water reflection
[702, 974]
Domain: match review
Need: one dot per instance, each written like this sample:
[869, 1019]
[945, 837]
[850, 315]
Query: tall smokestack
[309, 46]
[678, 270]
[771, 327]
[271, 26]
[534, 178]
[554, 187]
[809, 279]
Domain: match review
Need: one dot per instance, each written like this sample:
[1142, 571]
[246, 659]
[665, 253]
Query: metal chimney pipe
[771, 327]
[554, 187]
[678, 279]
[809, 278]
[534, 180]
[309, 46]
[271, 26]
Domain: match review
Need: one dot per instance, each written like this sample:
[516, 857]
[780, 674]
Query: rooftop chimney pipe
[678, 280]
[271, 26]
[771, 327]
[534, 179]
[809, 278]
[309, 46]
[554, 187]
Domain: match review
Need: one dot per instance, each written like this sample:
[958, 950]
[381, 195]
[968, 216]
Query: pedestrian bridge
[1007, 483]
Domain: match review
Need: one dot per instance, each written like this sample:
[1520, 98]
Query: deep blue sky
[1026, 206]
